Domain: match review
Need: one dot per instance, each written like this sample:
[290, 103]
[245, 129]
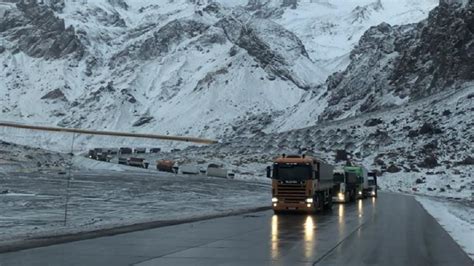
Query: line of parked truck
[106, 155]
[307, 184]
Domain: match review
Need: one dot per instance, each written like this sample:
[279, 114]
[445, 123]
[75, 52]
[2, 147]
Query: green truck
[362, 187]
[345, 186]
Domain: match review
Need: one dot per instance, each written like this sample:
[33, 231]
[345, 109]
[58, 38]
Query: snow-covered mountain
[405, 63]
[183, 67]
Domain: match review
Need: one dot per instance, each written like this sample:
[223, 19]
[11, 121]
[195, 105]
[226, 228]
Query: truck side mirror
[269, 172]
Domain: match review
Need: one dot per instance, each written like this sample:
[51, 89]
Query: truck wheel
[320, 201]
[328, 205]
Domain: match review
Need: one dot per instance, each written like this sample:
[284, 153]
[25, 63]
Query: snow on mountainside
[392, 65]
[405, 63]
[183, 67]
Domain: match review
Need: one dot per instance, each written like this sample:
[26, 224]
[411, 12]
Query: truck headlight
[309, 200]
[274, 200]
[340, 195]
[360, 192]
[373, 193]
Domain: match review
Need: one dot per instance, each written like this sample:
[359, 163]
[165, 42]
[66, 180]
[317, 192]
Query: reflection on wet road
[308, 237]
[390, 230]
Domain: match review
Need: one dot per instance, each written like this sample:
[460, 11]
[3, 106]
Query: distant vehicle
[138, 162]
[165, 166]
[345, 186]
[155, 150]
[123, 160]
[301, 183]
[125, 150]
[139, 150]
[92, 154]
[175, 150]
[112, 151]
[216, 170]
[103, 156]
[372, 182]
[363, 184]
[189, 169]
[99, 154]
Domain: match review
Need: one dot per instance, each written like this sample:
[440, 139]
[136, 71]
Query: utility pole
[69, 177]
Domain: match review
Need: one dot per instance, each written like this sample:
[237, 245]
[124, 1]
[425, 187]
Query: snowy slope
[331, 28]
[393, 65]
[186, 67]
[429, 140]
[456, 218]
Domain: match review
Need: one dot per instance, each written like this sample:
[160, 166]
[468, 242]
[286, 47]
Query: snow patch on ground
[457, 220]
[448, 183]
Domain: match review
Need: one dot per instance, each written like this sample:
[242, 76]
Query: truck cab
[362, 184]
[300, 184]
[372, 182]
[345, 185]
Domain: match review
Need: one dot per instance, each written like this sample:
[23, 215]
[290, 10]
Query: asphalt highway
[390, 230]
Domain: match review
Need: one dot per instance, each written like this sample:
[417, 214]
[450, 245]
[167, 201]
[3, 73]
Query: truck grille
[291, 193]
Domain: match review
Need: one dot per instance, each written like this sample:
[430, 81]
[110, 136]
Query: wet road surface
[390, 230]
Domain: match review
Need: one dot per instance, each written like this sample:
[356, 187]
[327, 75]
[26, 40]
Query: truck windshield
[339, 178]
[292, 172]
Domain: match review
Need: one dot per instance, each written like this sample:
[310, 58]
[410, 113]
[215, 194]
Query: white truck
[189, 169]
[372, 183]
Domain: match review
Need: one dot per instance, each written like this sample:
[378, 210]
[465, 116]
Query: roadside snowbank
[455, 183]
[456, 218]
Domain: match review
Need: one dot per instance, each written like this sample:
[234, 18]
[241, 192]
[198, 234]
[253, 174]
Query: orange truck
[300, 183]
[166, 166]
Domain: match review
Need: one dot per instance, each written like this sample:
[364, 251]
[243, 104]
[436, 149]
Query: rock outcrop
[39, 33]
[396, 64]
[275, 48]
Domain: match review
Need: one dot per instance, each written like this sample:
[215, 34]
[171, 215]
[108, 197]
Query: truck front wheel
[353, 195]
[328, 204]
